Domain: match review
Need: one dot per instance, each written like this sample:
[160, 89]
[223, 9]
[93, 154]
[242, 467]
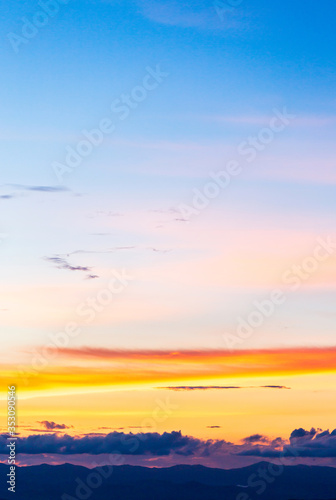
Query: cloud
[41, 189]
[157, 250]
[103, 213]
[169, 211]
[46, 189]
[61, 263]
[302, 443]
[220, 387]
[301, 434]
[171, 369]
[277, 442]
[117, 249]
[201, 14]
[255, 438]
[109, 250]
[198, 388]
[214, 426]
[275, 387]
[115, 442]
[100, 234]
[52, 425]
[7, 196]
[174, 215]
[111, 428]
[20, 187]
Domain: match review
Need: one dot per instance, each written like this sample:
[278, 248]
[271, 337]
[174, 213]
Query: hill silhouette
[182, 482]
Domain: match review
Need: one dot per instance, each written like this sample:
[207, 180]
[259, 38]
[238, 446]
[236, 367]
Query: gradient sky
[192, 280]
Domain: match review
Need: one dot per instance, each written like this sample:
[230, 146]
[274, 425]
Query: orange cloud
[240, 362]
[109, 368]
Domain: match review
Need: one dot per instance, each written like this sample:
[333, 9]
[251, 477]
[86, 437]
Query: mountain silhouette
[181, 482]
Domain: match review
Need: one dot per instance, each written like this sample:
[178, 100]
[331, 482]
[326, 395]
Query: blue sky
[215, 188]
[226, 77]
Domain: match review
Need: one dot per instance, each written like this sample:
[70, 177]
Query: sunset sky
[185, 258]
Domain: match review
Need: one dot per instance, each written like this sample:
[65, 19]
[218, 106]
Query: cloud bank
[301, 444]
[114, 443]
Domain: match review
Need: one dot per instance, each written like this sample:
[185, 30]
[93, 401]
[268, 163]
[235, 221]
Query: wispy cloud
[104, 213]
[7, 196]
[220, 387]
[16, 190]
[200, 15]
[117, 249]
[41, 189]
[109, 250]
[262, 120]
[61, 263]
[172, 370]
[46, 189]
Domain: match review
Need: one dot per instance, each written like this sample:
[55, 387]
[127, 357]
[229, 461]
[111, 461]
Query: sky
[167, 232]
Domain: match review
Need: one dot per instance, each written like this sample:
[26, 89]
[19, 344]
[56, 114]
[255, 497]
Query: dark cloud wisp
[219, 387]
[61, 263]
[49, 425]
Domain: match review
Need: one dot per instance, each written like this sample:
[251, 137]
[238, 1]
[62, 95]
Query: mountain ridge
[178, 482]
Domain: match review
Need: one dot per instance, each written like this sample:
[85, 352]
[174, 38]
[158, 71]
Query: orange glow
[107, 368]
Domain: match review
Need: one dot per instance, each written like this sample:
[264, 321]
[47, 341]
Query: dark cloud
[302, 443]
[214, 426]
[219, 387]
[61, 263]
[255, 438]
[275, 387]
[41, 189]
[198, 388]
[7, 196]
[17, 189]
[52, 425]
[302, 434]
[115, 442]
[277, 442]
[46, 189]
